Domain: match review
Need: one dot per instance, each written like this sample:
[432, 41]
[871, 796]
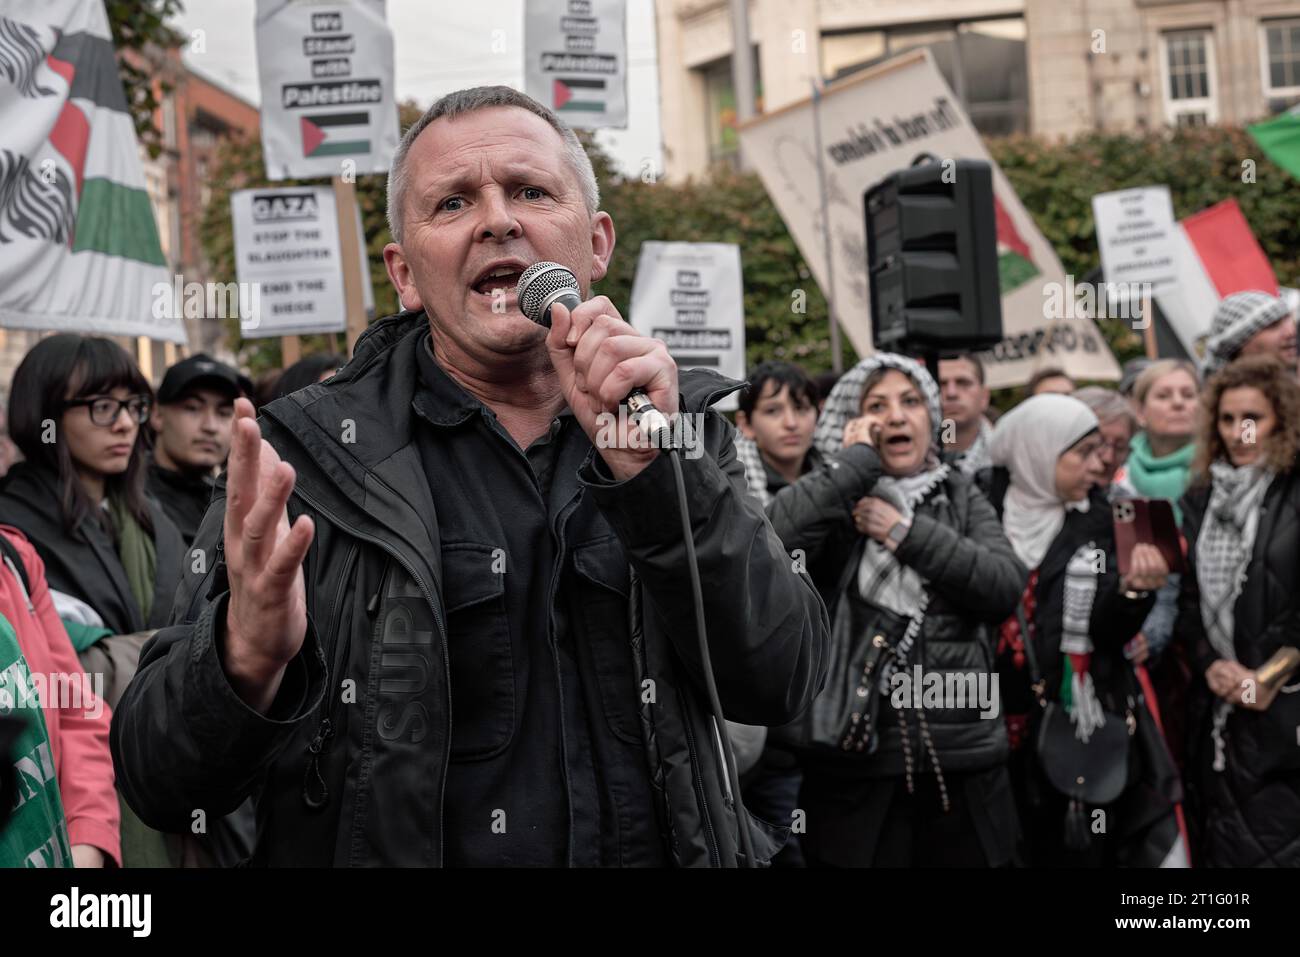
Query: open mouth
[898, 443]
[499, 280]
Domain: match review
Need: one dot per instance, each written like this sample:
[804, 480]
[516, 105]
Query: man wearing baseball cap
[1250, 323]
[193, 422]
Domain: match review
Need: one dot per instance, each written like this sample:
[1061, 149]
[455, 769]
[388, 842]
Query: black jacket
[183, 497]
[355, 784]
[1248, 815]
[1141, 820]
[85, 564]
[957, 545]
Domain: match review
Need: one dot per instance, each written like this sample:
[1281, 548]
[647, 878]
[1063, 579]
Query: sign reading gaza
[326, 72]
[287, 243]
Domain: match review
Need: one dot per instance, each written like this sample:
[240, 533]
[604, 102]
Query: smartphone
[1148, 521]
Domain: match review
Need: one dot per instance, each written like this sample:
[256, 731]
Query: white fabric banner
[873, 124]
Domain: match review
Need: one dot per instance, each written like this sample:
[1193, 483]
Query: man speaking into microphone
[440, 623]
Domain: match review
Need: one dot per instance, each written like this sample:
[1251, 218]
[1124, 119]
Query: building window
[1281, 61]
[720, 96]
[1189, 78]
[983, 61]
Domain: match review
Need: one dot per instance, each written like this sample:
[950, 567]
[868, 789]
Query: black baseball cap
[201, 371]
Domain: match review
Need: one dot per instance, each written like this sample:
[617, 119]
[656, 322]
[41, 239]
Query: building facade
[1049, 67]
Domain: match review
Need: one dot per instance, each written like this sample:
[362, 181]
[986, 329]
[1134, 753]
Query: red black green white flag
[79, 246]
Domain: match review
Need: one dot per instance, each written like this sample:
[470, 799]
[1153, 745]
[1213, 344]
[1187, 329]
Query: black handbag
[844, 715]
[1092, 772]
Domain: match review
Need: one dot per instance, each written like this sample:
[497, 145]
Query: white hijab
[1027, 441]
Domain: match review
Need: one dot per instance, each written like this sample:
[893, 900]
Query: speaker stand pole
[837, 361]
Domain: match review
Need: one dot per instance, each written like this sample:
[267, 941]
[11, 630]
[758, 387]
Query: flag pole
[837, 362]
[349, 215]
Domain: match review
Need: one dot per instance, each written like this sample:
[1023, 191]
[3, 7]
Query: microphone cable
[731, 775]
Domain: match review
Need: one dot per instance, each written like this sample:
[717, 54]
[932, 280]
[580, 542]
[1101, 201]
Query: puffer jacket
[1248, 814]
[360, 782]
[956, 544]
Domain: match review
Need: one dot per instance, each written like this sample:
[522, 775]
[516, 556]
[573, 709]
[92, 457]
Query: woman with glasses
[112, 558]
[1116, 424]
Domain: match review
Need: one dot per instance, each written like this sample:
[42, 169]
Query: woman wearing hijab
[1240, 605]
[1068, 632]
[912, 770]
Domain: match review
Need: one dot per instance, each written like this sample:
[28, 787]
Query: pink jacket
[79, 729]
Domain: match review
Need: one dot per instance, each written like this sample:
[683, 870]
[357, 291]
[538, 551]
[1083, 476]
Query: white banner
[575, 60]
[691, 296]
[1135, 233]
[873, 124]
[287, 260]
[326, 73]
[79, 248]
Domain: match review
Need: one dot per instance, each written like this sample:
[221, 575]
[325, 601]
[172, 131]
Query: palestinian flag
[1015, 264]
[577, 95]
[1215, 254]
[79, 246]
[335, 134]
[1279, 138]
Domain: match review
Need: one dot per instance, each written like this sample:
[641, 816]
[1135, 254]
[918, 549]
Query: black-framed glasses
[104, 409]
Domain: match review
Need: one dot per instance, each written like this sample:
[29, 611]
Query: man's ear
[399, 274]
[986, 396]
[602, 244]
[742, 423]
[155, 418]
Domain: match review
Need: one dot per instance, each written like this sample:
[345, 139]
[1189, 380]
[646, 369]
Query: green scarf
[139, 557]
[1155, 476]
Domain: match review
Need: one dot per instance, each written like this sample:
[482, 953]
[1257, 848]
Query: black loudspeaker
[932, 259]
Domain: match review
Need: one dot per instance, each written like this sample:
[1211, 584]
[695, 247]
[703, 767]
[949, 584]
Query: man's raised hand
[266, 618]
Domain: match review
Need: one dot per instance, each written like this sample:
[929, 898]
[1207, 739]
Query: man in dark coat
[476, 642]
[192, 422]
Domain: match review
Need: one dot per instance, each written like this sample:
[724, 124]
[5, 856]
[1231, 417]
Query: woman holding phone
[907, 550]
[1240, 608]
[1063, 646]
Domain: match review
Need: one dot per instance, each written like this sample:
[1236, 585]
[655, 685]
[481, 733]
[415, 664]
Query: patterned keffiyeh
[1224, 546]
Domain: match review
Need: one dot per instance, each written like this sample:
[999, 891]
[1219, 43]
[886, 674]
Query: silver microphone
[544, 284]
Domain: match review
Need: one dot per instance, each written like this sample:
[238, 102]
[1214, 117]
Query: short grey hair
[1107, 405]
[482, 98]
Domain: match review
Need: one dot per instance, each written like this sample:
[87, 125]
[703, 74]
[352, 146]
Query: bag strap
[10, 551]
[1036, 683]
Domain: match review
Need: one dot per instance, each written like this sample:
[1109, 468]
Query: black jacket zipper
[325, 731]
[442, 630]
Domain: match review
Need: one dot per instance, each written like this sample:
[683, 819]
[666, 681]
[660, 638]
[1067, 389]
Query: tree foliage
[140, 26]
[785, 312]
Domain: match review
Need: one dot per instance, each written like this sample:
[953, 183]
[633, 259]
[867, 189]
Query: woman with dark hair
[776, 414]
[1239, 608]
[904, 761]
[112, 558]
[1061, 651]
[308, 371]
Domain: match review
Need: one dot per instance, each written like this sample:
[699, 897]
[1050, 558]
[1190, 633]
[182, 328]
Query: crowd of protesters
[939, 541]
[928, 640]
[1133, 728]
